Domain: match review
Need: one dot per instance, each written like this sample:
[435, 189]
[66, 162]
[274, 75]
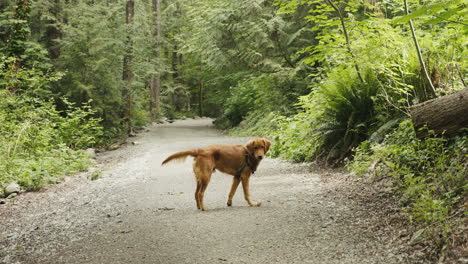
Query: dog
[240, 161]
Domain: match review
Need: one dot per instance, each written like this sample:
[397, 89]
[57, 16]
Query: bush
[257, 123]
[336, 117]
[348, 114]
[77, 127]
[257, 96]
[39, 144]
[430, 172]
[293, 140]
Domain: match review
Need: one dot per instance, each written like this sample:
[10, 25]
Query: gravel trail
[140, 212]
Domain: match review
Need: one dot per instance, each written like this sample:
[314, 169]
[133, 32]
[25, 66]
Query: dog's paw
[229, 203]
[255, 204]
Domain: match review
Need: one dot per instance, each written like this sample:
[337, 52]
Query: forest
[334, 82]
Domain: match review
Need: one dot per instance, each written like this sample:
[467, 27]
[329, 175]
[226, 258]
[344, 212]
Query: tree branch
[418, 49]
[348, 43]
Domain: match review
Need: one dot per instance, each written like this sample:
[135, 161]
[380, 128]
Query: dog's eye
[256, 148]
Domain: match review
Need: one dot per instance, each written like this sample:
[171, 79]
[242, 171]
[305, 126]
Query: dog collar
[246, 163]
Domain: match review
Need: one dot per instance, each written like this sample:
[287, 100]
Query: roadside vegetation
[329, 81]
[357, 112]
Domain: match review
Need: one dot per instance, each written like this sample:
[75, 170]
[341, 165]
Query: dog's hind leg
[202, 194]
[196, 194]
[245, 186]
[203, 169]
[235, 183]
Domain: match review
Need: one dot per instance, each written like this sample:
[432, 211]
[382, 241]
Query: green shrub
[77, 127]
[293, 140]
[254, 96]
[430, 172]
[335, 117]
[257, 123]
[38, 144]
[347, 114]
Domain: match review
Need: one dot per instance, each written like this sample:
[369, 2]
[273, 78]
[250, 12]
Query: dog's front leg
[245, 186]
[235, 183]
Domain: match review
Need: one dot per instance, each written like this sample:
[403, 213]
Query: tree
[127, 68]
[418, 50]
[348, 44]
[155, 86]
[446, 114]
[20, 30]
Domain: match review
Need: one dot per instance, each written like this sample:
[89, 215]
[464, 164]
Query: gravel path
[140, 212]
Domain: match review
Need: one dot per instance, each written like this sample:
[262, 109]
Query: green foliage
[430, 173]
[257, 123]
[435, 12]
[337, 116]
[293, 140]
[95, 175]
[87, 42]
[77, 127]
[14, 25]
[248, 56]
[31, 81]
[342, 111]
[347, 113]
[255, 95]
[92, 46]
[35, 140]
[318, 77]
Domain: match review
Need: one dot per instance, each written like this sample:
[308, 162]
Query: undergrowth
[429, 175]
[39, 144]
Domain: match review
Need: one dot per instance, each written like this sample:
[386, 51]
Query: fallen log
[444, 115]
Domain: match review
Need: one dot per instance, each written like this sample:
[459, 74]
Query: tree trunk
[155, 91]
[156, 79]
[19, 31]
[53, 32]
[447, 114]
[127, 75]
[16, 37]
[200, 100]
[181, 62]
[175, 74]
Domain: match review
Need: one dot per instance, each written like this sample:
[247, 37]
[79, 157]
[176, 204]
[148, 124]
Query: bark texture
[127, 75]
[447, 114]
[155, 88]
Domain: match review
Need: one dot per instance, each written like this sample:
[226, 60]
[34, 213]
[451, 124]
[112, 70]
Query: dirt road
[140, 212]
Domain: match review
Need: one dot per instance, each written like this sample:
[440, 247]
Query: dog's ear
[251, 146]
[267, 144]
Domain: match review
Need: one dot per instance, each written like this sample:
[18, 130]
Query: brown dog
[237, 160]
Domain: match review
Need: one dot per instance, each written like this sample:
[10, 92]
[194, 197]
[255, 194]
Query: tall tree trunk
[156, 78]
[200, 100]
[127, 68]
[180, 62]
[418, 50]
[348, 43]
[52, 31]
[17, 36]
[446, 114]
[175, 74]
[20, 31]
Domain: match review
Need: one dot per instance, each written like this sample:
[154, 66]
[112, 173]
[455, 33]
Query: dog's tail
[181, 156]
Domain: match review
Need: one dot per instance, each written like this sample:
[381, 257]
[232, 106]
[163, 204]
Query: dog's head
[258, 147]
